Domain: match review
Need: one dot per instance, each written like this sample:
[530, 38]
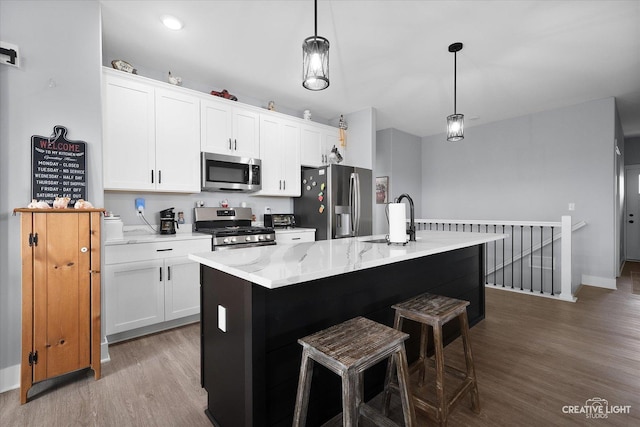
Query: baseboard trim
[9, 378]
[599, 282]
[104, 351]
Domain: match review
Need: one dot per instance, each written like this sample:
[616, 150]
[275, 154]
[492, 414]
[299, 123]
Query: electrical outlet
[140, 205]
[572, 206]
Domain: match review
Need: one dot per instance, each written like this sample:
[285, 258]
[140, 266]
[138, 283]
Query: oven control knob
[268, 236]
[226, 240]
[248, 238]
[261, 237]
[233, 239]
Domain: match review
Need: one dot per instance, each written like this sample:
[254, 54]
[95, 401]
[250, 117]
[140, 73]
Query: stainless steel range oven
[231, 228]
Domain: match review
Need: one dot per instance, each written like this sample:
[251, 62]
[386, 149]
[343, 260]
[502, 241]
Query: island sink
[376, 241]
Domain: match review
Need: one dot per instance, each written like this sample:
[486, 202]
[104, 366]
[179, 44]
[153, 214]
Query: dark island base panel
[251, 371]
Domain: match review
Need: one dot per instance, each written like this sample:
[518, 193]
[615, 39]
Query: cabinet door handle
[161, 274]
[164, 250]
[235, 144]
[152, 176]
[229, 143]
[295, 238]
[169, 273]
[284, 184]
[159, 177]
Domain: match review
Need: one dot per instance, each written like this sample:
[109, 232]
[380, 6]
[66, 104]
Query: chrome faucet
[412, 224]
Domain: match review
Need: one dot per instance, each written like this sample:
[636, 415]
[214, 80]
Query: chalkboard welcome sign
[58, 167]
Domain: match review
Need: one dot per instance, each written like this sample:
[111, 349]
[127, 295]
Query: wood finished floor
[533, 356]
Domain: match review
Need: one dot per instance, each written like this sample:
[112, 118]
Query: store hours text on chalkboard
[59, 167]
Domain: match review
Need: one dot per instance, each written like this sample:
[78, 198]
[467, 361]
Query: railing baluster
[521, 257]
[541, 259]
[503, 266]
[512, 259]
[531, 258]
[552, 261]
[486, 257]
[495, 257]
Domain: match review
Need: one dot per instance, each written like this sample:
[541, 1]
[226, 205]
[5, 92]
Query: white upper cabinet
[229, 129]
[280, 155]
[177, 142]
[316, 143]
[151, 136]
[129, 134]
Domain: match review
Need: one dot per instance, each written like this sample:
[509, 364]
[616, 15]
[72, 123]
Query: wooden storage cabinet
[151, 283]
[60, 293]
[151, 136]
[280, 155]
[229, 129]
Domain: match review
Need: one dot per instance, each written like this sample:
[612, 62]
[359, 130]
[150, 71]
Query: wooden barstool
[348, 349]
[435, 311]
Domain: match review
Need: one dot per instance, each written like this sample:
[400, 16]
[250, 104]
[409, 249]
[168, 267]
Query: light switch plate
[222, 318]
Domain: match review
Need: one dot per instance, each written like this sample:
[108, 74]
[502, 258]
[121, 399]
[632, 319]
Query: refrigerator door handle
[352, 179]
[354, 202]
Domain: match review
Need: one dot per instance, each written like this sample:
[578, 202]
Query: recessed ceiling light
[172, 22]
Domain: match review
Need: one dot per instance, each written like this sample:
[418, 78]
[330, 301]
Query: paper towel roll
[397, 223]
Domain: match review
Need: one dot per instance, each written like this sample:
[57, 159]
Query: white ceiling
[519, 57]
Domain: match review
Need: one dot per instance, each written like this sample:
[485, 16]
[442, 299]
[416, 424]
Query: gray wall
[398, 156]
[123, 204]
[60, 41]
[531, 168]
[632, 151]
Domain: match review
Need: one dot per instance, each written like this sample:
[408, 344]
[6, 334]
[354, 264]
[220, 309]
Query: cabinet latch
[33, 358]
[33, 239]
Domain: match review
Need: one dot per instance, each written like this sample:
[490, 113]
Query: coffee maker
[168, 223]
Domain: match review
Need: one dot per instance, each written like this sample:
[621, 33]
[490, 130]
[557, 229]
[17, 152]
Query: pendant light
[315, 59]
[455, 122]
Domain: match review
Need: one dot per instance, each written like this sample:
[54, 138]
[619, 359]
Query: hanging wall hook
[11, 51]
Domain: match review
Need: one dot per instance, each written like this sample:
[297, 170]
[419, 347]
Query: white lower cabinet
[150, 283]
[134, 295]
[295, 236]
[182, 288]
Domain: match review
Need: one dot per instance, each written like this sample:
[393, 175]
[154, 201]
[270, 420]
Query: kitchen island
[257, 302]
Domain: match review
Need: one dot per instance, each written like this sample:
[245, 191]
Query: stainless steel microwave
[230, 173]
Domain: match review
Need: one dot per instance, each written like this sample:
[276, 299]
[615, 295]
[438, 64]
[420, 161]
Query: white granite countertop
[130, 237]
[283, 265]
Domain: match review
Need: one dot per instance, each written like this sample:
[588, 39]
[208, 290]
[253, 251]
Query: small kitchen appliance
[231, 228]
[280, 220]
[168, 221]
[113, 227]
[230, 173]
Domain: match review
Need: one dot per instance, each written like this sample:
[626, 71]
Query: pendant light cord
[455, 73]
[315, 18]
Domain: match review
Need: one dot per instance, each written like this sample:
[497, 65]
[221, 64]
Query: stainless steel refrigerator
[336, 200]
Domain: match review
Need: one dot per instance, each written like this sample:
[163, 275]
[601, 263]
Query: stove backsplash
[123, 204]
